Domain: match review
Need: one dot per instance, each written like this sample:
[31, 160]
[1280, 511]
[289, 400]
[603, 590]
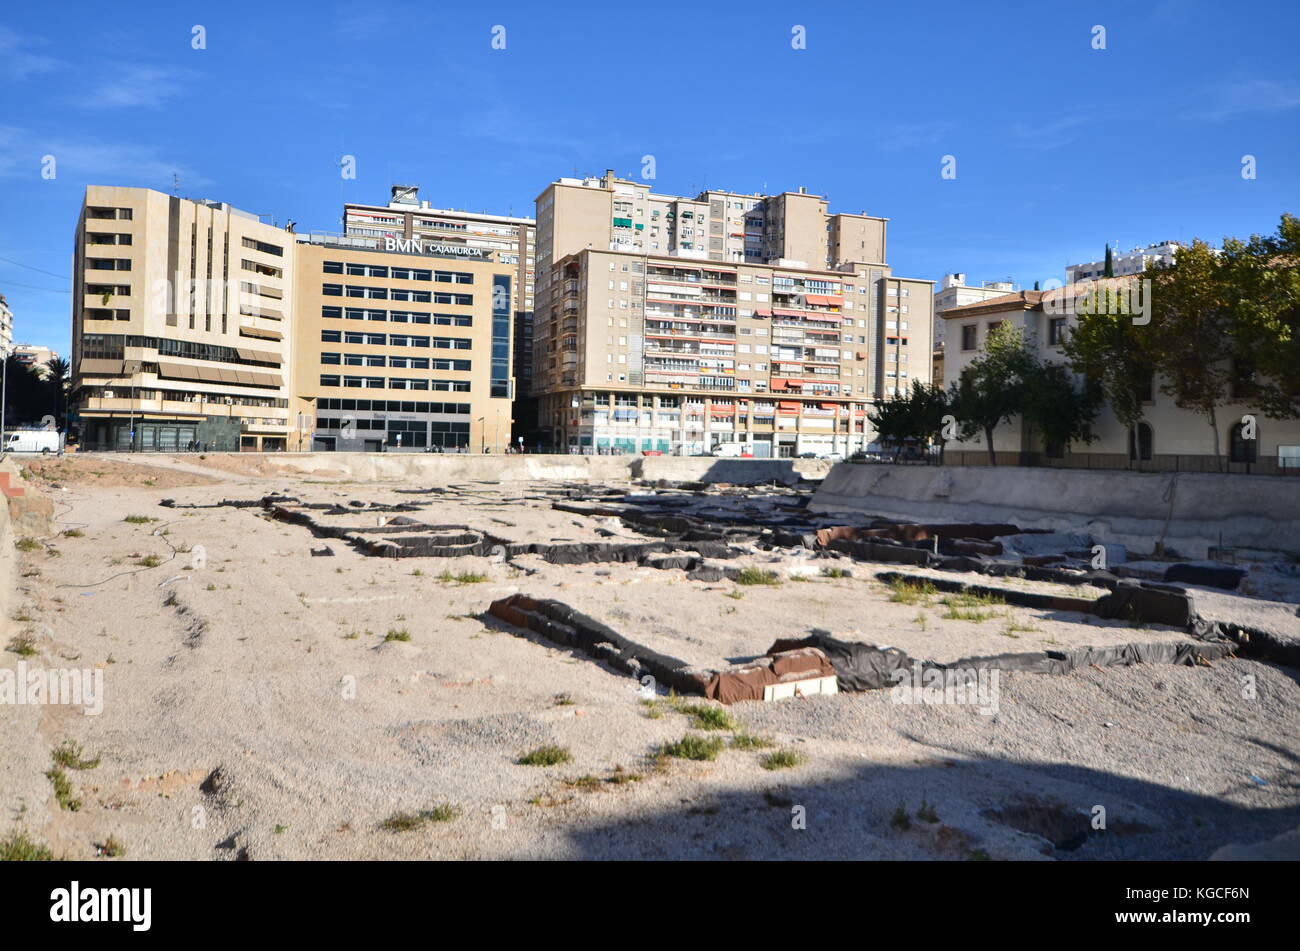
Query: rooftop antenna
[176, 184]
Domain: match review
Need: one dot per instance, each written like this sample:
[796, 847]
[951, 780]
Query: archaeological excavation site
[365, 656]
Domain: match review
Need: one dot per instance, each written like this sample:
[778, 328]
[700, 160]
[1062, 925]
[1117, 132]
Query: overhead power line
[62, 277]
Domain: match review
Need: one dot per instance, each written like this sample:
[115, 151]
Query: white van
[34, 440]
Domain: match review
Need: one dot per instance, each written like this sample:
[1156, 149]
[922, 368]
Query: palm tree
[58, 379]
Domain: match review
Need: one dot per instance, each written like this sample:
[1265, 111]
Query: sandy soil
[254, 707]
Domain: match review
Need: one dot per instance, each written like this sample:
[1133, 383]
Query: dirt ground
[264, 702]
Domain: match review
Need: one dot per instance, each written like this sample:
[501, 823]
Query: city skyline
[469, 126]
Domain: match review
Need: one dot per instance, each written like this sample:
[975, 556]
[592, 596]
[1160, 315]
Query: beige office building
[726, 323]
[179, 316]
[402, 350]
[509, 239]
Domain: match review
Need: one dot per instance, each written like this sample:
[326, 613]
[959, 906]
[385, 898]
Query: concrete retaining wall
[1192, 512]
[738, 471]
[440, 468]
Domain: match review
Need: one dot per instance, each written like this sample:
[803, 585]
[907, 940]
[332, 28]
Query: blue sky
[1059, 147]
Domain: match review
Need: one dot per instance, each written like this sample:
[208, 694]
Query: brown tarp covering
[905, 532]
[747, 682]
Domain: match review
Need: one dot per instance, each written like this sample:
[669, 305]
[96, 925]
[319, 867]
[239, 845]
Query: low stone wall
[1188, 512]
[442, 468]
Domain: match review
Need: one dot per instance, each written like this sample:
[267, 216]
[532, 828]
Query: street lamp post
[482, 434]
[4, 392]
[132, 368]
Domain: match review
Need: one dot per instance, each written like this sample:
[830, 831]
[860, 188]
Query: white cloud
[136, 87]
[96, 161]
[17, 62]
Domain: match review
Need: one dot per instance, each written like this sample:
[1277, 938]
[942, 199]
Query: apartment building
[34, 357]
[402, 350]
[510, 239]
[740, 324]
[179, 323]
[6, 328]
[1124, 263]
[953, 291]
[1166, 430]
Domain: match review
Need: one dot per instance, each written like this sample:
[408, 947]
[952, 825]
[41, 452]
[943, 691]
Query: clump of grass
[417, 573]
[835, 573]
[621, 776]
[971, 599]
[410, 821]
[62, 789]
[1013, 625]
[351, 636]
[139, 519]
[24, 644]
[955, 613]
[921, 620]
[693, 746]
[751, 575]
[970, 607]
[587, 782]
[900, 820]
[210, 587]
[397, 634]
[72, 756]
[549, 755]
[902, 591]
[27, 544]
[111, 848]
[748, 741]
[73, 533]
[926, 813]
[708, 717]
[563, 700]
[735, 595]
[782, 759]
[149, 561]
[978, 855]
[652, 709]
[18, 847]
[23, 614]
[464, 577]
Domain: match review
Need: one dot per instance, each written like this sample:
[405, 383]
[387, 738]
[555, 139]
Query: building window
[1140, 439]
[1056, 331]
[968, 336]
[1240, 449]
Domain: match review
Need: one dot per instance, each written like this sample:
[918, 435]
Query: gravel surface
[254, 709]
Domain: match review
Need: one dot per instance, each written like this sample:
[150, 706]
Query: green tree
[1262, 294]
[992, 389]
[58, 383]
[892, 419]
[1192, 324]
[1116, 356]
[915, 414]
[1061, 411]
